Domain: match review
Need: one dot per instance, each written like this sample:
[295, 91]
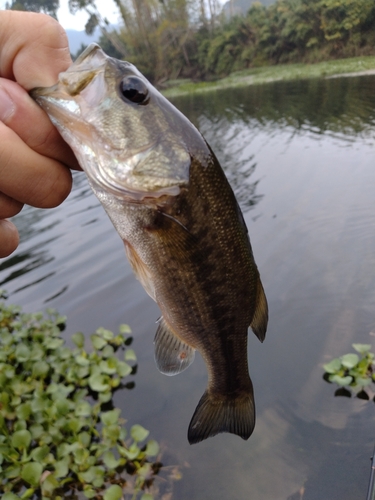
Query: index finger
[27, 41]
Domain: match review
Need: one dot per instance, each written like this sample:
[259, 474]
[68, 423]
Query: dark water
[301, 158]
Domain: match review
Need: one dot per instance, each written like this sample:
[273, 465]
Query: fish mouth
[105, 165]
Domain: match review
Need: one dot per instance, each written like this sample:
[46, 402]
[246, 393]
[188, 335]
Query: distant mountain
[77, 38]
[239, 7]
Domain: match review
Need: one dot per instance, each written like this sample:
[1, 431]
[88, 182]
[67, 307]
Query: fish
[184, 234]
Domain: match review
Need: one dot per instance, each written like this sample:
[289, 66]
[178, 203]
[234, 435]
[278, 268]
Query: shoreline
[337, 68]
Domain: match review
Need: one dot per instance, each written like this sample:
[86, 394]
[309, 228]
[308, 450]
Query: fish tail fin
[219, 414]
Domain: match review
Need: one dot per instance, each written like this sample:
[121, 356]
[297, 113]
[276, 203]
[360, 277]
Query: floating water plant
[56, 440]
[352, 371]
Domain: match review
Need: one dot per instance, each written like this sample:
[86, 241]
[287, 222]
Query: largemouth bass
[183, 231]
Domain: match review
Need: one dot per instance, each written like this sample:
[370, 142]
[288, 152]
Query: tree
[47, 6]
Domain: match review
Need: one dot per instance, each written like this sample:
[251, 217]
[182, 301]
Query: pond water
[301, 159]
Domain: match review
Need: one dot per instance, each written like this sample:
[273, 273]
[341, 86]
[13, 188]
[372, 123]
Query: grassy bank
[264, 74]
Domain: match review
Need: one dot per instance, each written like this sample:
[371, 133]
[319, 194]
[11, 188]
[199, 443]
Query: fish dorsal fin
[260, 318]
[172, 356]
[140, 269]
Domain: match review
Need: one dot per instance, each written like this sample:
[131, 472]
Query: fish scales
[183, 231]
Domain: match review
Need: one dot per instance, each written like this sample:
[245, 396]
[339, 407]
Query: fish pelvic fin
[217, 414]
[172, 355]
[260, 318]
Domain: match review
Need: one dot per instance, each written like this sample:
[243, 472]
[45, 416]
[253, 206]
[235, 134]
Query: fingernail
[6, 105]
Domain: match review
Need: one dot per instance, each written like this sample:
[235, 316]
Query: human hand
[34, 159]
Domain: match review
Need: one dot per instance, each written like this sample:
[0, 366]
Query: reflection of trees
[229, 119]
[238, 164]
[340, 105]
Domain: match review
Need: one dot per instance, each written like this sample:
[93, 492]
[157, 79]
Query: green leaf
[145, 471]
[94, 475]
[31, 473]
[12, 471]
[333, 366]
[10, 496]
[362, 348]
[75, 425]
[23, 411]
[152, 448]
[98, 342]
[108, 366]
[83, 409]
[79, 339]
[28, 494]
[125, 329]
[85, 439]
[53, 343]
[112, 432]
[147, 496]
[130, 355]
[106, 334]
[139, 433]
[82, 360]
[349, 360]
[98, 383]
[108, 351]
[36, 431]
[114, 492]
[62, 407]
[362, 381]
[49, 485]
[39, 454]
[22, 352]
[80, 456]
[123, 369]
[21, 439]
[89, 492]
[110, 417]
[40, 369]
[62, 467]
[110, 461]
[131, 453]
[342, 381]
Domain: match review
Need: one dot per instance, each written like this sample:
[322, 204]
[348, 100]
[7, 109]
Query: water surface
[300, 157]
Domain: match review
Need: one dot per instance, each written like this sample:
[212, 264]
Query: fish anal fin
[140, 269]
[172, 355]
[219, 414]
[260, 318]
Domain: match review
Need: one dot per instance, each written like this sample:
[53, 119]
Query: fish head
[127, 137]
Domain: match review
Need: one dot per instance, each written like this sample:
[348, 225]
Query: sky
[77, 22]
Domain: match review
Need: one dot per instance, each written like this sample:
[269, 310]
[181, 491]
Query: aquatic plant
[59, 432]
[352, 371]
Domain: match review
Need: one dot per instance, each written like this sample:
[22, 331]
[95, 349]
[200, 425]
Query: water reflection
[344, 106]
[301, 156]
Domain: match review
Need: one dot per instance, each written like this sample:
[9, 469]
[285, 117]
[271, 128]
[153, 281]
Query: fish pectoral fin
[260, 318]
[172, 355]
[140, 270]
[214, 415]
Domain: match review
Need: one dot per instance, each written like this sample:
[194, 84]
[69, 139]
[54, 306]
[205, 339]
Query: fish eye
[134, 89]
